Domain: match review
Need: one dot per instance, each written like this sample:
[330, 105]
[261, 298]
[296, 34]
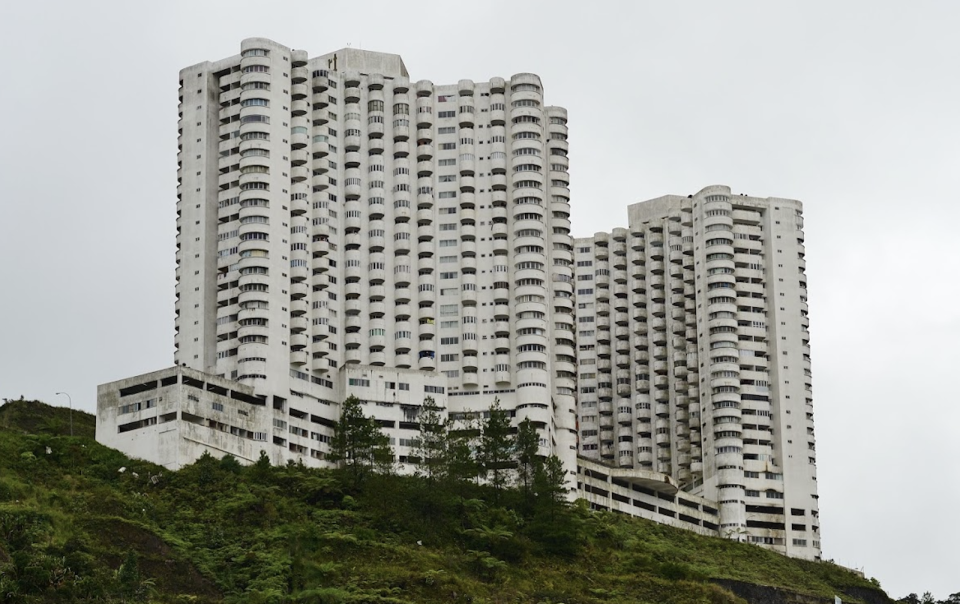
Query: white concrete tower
[694, 358]
[333, 214]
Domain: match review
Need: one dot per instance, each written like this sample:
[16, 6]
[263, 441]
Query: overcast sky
[852, 107]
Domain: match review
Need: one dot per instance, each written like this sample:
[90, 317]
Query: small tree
[261, 471]
[432, 444]
[549, 486]
[359, 446]
[527, 455]
[553, 526]
[463, 468]
[496, 449]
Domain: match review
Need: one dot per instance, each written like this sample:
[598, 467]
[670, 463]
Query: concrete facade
[342, 230]
[333, 213]
[694, 358]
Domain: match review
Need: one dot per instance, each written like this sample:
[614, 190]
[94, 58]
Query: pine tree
[496, 449]
[553, 525]
[432, 445]
[463, 467]
[549, 486]
[359, 446]
[528, 458]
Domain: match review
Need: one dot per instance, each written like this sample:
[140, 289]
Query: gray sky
[852, 107]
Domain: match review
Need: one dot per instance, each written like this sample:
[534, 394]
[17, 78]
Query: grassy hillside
[74, 527]
[32, 417]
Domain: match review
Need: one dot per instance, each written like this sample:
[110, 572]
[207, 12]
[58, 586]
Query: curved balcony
[644, 456]
[401, 134]
[401, 148]
[252, 330]
[403, 360]
[299, 289]
[375, 133]
[427, 363]
[470, 378]
[298, 358]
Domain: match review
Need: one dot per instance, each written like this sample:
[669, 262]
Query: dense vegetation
[80, 522]
[927, 598]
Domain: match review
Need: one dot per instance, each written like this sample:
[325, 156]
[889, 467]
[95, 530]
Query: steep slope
[74, 527]
[34, 417]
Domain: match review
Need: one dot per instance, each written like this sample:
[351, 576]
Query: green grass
[74, 528]
[34, 417]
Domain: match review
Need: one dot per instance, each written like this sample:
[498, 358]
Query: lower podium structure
[173, 416]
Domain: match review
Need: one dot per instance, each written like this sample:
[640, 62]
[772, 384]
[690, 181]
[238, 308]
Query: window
[444, 114]
[254, 169]
[531, 184]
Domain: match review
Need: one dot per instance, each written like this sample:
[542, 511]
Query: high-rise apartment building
[332, 213]
[694, 357]
[343, 230]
